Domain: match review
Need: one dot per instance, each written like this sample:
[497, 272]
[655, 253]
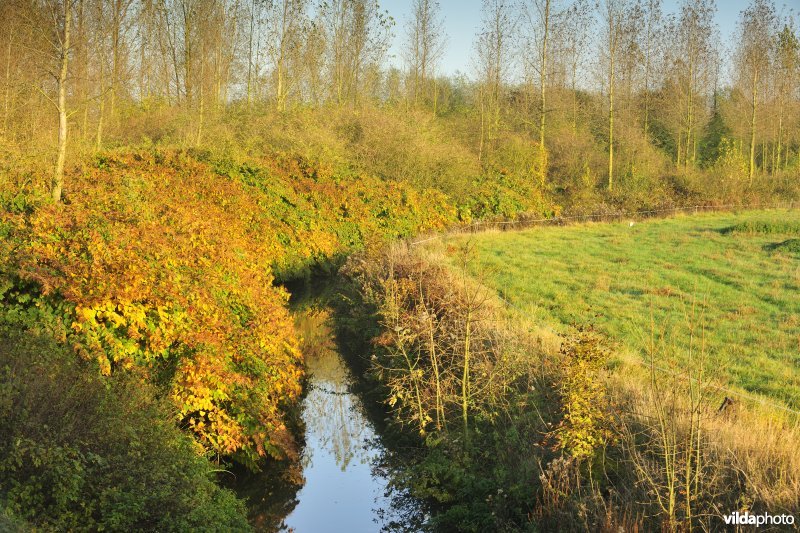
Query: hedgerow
[164, 263]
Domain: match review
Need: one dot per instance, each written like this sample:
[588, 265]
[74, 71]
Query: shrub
[165, 263]
[583, 396]
[452, 372]
[82, 452]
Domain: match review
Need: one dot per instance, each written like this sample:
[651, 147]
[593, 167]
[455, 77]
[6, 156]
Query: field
[733, 279]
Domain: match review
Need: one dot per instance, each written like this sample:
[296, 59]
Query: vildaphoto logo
[763, 519]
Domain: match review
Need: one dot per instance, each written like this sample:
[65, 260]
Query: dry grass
[751, 460]
[744, 457]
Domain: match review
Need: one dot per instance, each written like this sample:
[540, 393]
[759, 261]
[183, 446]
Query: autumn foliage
[163, 264]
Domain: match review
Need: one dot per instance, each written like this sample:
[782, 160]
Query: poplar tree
[753, 56]
[492, 61]
[425, 46]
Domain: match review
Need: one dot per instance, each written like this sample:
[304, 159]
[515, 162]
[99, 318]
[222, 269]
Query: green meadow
[727, 284]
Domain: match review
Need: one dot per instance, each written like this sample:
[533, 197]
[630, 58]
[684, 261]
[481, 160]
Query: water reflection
[345, 467]
[341, 491]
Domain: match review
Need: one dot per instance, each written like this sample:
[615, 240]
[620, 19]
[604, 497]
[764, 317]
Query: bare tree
[492, 56]
[62, 14]
[425, 46]
[612, 13]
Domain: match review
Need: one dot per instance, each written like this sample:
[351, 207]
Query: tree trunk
[250, 54]
[483, 128]
[281, 99]
[611, 126]
[102, 109]
[7, 99]
[646, 125]
[689, 111]
[187, 52]
[574, 99]
[751, 170]
[201, 106]
[435, 96]
[774, 162]
[115, 36]
[83, 68]
[543, 82]
[58, 181]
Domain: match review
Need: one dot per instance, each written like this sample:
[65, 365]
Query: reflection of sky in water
[340, 492]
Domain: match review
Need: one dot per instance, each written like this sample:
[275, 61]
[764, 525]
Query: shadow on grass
[790, 246]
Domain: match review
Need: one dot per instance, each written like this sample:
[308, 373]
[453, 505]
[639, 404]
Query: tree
[425, 46]
[8, 36]
[787, 59]
[119, 29]
[612, 12]
[651, 36]
[358, 33]
[62, 15]
[540, 15]
[101, 35]
[227, 34]
[254, 23]
[756, 26]
[693, 63]
[313, 61]
[287, 22]
[576, 29]
[492, 56]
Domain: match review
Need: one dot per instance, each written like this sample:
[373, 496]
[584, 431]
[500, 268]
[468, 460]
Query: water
[342, 488]
[340, 493]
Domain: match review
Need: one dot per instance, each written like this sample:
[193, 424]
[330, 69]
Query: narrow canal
[339, 484]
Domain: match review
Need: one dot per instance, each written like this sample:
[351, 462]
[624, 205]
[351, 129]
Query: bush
[166, 263]
[81, 452]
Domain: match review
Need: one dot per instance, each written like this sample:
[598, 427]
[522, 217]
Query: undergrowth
[553, 436]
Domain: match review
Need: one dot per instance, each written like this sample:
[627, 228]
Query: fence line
[523, 223]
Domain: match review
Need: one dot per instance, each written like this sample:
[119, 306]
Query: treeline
[591, 96]
[83, 453]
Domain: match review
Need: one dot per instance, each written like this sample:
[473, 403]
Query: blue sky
[463, 18]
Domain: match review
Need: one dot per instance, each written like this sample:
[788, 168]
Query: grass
[659, 276]
[767, 227]
[789, 246]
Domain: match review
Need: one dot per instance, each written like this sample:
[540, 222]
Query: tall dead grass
[674, 459]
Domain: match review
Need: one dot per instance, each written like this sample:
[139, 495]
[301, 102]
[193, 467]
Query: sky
[462, 19]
